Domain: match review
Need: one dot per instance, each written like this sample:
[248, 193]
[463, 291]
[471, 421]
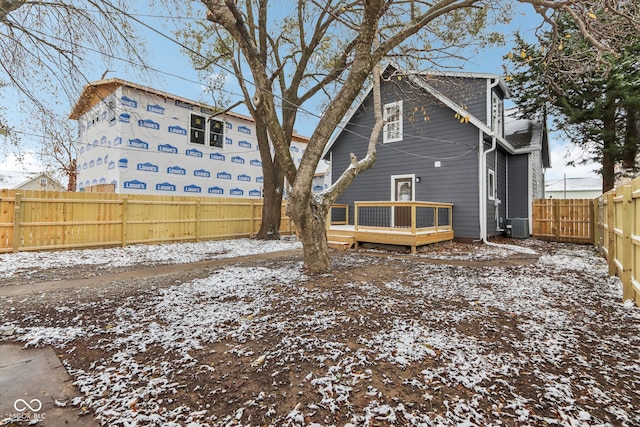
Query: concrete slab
[31, 380]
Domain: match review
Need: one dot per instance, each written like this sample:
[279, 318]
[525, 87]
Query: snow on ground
[543, 344]
[176, 253]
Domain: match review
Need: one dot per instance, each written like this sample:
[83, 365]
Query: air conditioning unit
[518, 228]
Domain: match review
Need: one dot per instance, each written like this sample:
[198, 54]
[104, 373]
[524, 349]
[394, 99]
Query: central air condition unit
[518, 228]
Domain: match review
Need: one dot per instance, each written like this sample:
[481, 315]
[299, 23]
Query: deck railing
[338, 214]
[414, 217]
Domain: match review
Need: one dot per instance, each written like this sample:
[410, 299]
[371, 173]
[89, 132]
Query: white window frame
[491, 184]
[392, 131]
[497, 114]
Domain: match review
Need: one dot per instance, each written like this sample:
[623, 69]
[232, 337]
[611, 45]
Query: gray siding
[470, 93]
[518, 186]
[431, 133]
[537, 175]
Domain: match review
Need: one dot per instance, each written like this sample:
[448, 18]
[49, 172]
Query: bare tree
[331, 47]
[48, 47]
[58, 150]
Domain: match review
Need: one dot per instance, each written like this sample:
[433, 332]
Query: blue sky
[178, 77]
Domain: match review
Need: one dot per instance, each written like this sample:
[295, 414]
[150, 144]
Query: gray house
[447, 138]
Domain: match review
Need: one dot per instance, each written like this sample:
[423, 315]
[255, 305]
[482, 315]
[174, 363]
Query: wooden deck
[410, 224]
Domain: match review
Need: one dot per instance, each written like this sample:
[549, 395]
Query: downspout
[483, 184]
[483, 163]
[483, 229]
[498, 200]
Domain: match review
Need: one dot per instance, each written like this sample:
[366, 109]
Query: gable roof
[527, 134]
[35, 177]
[427, 75]
[95, 92]
[10, 179]
[421, 79]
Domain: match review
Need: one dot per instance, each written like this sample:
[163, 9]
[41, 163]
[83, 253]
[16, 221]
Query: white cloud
[16, 169]
[562, 152]
[25, 163]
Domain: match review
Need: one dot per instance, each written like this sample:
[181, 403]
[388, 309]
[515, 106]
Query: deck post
[413, 218]
[355, 216]
[410, 233]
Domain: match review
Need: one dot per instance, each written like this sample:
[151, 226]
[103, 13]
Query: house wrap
[144, 141]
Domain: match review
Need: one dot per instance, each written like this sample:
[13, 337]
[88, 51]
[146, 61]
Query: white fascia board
[463, 74]
[464, 113]
[345, 120]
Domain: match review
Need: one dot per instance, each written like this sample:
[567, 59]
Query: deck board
[391, 237]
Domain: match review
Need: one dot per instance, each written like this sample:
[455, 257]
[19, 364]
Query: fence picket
[563, 220]
[620, 225]
[40, 220]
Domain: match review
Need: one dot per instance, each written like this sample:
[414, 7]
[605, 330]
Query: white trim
[387, 123]
[464, 113]
[411, 176]
[488, 76]
[507, 182]
[418, 78]
[530, 191]
[491, 184]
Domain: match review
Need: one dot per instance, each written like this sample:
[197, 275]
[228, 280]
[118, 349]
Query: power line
[239, 77]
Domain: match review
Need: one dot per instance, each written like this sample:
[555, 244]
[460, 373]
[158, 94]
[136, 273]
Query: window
[198, 131]
[216, 133]
[198, 126]
[43, 182]
[491, 185]
[497, 113]
[392, 122]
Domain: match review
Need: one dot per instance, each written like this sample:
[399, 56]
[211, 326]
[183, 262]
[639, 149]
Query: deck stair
[340, 241]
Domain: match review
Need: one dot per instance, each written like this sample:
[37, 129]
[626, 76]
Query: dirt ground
[453, 336]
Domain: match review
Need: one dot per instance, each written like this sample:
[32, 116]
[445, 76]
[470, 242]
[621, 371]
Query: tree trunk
[72, 174]
[272, 201]
[310, 218]
[272, 186]
[631, 140]
[609, 148]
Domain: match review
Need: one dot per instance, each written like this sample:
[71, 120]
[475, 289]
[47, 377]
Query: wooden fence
[43, 220]
[618, 235]
[563, 220]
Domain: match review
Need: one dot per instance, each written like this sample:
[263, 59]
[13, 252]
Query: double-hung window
[392, 131]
